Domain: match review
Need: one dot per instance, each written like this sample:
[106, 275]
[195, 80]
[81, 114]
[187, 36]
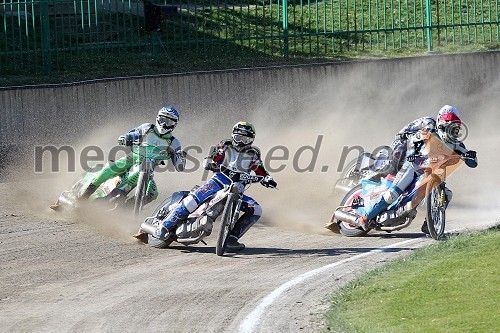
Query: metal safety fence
[43, 35]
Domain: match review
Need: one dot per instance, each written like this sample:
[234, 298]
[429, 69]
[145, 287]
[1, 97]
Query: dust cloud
[361, 107]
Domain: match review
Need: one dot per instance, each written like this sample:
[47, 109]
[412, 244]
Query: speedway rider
[237, 154]
[399, 146]
[448, 125]
[166, 120]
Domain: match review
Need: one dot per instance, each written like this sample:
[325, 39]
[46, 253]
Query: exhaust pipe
[345, 217]
[147, 228]
[398, 227]
[192, 239]
[150, 229]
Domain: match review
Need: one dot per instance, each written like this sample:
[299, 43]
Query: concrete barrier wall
[33, 115]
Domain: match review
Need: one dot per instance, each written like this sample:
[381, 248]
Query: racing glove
[124, 140]
[182, 155]
[403, 136]
[268, 181]
[411, 158]
[179, 159]
[470, 154]
[210, 165]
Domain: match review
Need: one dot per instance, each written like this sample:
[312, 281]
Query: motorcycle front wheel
[225, 227]
[140, 191]
[436, 207]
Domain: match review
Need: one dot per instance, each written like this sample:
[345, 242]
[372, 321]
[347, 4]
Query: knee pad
[257, 211]
[190, 203]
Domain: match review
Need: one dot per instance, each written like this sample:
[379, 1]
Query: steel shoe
[233, 245]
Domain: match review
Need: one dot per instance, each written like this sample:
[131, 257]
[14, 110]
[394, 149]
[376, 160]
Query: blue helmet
[167, 119]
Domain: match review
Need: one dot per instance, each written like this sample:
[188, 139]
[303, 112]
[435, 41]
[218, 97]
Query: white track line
[252, 320]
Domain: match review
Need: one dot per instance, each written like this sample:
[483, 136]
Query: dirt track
[58, 274]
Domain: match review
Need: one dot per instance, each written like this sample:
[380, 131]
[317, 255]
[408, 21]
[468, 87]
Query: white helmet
[166, 120]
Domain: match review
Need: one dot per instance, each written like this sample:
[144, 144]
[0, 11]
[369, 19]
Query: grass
[220, 35]
[451, 286]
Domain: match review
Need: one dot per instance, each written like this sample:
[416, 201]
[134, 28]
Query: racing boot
[233, 245]
[162, 233]
[425, 228]
[362, 221]
[240, 228]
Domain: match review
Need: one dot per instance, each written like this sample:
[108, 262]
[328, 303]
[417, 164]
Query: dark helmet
[243, 134]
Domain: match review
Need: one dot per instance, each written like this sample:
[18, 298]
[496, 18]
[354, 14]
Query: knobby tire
[227, 216]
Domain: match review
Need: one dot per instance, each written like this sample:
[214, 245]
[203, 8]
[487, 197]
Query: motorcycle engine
[192, 227]
[393, 218]
[389, 219]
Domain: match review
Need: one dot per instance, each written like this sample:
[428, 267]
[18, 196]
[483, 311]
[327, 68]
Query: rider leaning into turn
[166, 120]
[399, 146]
[236, 154]
[448, 128]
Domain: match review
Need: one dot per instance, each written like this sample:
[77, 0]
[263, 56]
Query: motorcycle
[198, 225]
[118, 191]
[430, 185]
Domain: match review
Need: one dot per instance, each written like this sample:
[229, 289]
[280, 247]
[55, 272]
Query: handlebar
[240, 176]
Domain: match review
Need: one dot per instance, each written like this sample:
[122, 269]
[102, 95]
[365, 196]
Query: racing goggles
[167, 122]
[242, 139]
[450, 127]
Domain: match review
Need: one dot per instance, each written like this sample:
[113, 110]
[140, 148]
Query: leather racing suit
[226, 154]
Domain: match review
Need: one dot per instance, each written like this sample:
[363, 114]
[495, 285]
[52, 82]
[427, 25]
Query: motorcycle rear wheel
[225, 227]
[346, 228]
[155, 242]
[436, 209]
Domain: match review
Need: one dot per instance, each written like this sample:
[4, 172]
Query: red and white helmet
[448, 109]
[449, 123]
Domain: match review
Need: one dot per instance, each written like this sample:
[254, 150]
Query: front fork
[236, 213]
[151, 191]
[442, 198]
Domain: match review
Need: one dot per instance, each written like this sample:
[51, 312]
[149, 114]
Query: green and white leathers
[148, 144]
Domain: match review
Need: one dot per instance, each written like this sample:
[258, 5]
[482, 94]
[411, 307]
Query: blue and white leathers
[189, 204]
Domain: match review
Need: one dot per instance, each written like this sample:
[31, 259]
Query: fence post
[429, 25]
[46, 51]
[285, 27]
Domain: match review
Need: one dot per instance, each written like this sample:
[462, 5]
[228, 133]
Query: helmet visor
[166, 122]
[450, 131]
[242, 139]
